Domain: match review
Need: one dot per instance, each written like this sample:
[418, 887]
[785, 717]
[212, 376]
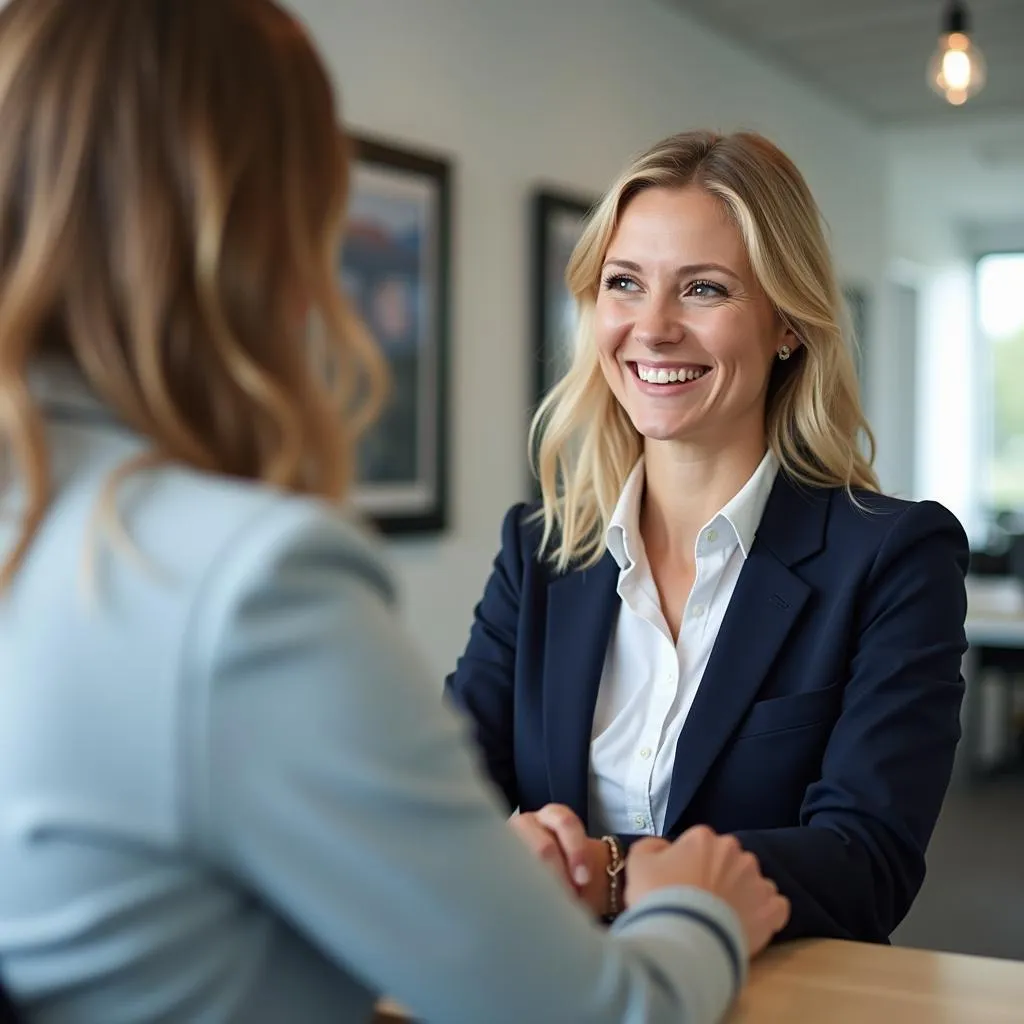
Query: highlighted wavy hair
[173, 184]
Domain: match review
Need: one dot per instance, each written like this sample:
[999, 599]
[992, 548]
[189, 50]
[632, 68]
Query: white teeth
[656, 376]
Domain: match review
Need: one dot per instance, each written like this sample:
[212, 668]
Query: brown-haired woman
[226, 793]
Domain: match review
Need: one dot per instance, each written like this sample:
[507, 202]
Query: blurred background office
[907, 117]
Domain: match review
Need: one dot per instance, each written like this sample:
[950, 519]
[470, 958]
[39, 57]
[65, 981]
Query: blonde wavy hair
[582, 442]
[173, 183]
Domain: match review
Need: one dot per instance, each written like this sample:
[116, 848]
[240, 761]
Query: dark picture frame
[395, 265]
[557, 220]
[858, 307]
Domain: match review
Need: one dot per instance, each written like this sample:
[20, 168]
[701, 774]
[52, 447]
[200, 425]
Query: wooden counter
[854, 983]
[828, 982]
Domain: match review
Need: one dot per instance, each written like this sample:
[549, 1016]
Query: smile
[650, 373]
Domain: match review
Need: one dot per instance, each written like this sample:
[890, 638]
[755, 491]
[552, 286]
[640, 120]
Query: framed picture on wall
[856, 299]
[395, 265]
[557, 221]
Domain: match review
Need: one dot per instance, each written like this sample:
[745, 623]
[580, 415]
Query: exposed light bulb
[956, 70]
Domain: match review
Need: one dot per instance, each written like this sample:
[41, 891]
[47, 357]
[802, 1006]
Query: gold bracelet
[616, 864]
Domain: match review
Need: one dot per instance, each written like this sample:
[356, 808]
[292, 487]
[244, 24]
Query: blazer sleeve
[853, 867]
[483, 682]
[327, 777]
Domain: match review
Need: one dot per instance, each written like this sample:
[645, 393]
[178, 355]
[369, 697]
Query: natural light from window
[1001, 320]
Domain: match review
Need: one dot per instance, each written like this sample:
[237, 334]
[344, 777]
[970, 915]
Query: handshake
[699, 858]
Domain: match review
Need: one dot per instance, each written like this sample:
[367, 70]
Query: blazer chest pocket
[801, 709]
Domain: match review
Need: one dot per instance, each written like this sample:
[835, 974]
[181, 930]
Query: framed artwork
[856, 299]
[557, 222]
[395, 265]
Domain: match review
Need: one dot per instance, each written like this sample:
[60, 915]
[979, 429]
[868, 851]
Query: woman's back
[110, 902]
[228, 789]
[145, 702]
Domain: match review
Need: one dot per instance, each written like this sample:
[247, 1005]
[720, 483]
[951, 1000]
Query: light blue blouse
[229, 791]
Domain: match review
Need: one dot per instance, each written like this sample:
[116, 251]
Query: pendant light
[956, 70]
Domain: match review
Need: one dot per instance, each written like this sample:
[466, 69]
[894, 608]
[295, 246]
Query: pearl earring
[785, 352]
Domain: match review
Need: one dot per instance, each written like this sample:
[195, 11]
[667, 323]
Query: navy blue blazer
[824, 728]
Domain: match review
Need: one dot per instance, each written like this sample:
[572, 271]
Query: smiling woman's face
[685, 333]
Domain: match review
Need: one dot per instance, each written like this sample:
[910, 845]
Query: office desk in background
[995, 611]
[995, 632]
[823, 981]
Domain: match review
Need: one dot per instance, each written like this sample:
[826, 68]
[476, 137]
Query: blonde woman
[226, 794]
[714, 617]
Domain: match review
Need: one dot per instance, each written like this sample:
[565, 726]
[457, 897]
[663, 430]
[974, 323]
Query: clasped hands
[699, 857]
[557, 838]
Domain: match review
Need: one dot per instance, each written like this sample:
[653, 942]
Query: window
[1000, 298]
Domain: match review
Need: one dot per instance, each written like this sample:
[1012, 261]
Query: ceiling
[872, 54]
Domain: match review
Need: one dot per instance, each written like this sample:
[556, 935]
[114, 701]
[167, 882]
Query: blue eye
[707, 290]
[620, 283]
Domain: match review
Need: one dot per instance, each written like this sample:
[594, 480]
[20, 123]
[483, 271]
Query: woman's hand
[557, 838]
[717, 864]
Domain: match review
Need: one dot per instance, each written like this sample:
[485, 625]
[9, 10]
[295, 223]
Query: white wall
[955, 191]
[564, 91]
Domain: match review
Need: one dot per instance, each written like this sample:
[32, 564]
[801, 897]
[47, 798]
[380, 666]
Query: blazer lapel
[765, 606]
[581, 610]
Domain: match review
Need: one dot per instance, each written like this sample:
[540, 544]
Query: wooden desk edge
[830, 964]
